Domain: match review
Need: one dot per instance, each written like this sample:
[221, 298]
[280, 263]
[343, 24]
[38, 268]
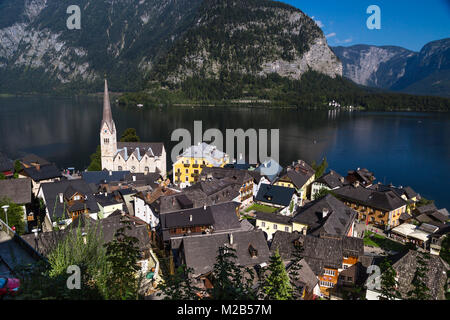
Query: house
[405, 266]
[241, 178]
[189, 165]
[329, 181]
[283, 198]
[107, 204]
[270, 170]
[431, 215]
[363, 176]
[146, 204]
[217, 218]
[6, 166]
[420, 236]
[327, 215]
[270, 223]
[32, 160]
[65, 200]
[200, 253]
[18, 191]
[41, 174]
[380, 208]
[298, 176]
[326, 256]
[406, 193]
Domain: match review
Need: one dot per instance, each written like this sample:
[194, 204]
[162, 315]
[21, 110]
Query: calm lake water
[403, 148]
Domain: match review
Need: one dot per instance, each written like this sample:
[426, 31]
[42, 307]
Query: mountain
[426, 72]
[134, 40]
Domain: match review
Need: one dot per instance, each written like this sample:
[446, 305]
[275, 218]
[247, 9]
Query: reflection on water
[402, 148]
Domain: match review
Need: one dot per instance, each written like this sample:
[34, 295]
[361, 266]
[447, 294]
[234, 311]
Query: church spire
[107, 114]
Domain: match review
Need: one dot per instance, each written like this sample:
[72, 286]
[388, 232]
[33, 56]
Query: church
[136, 157]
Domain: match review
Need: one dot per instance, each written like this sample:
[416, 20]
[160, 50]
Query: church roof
[107, 114]
[139, 149]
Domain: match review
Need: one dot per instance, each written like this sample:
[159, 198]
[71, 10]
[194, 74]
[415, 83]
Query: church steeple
[107, 114]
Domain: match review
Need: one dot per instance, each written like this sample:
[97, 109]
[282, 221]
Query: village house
[240, 178]
[39, 171]
[363, 176]
[380, 208]
[327, 256]
[298, 176]
[329, 181]
[406, 193]
[189, 165]
[405, 266]
[65, 200]
[283, 198]
[137, 157]
[200, 253]
[18, 191]
[6, 166]
[269, 169]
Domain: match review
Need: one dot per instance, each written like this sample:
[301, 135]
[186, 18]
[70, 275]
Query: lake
[407, 149]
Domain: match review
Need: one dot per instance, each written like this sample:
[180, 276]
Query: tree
[320, 169]
[420, 290]
[17, 168]
[15, 215]
[178, 286]
[130, 135]
[2, 176]
[122, 253]
[445, 249]
[323, 192]
[230, 281]
[277, 283]
[389, 284]
[96, 160]
[294, 269]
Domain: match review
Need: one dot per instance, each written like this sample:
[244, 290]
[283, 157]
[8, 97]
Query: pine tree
[420, 290]
[389, 284]
[230, 281]
[294, 269]
[277, 284]
[178, 286]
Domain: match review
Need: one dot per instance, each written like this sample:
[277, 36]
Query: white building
[136, 157]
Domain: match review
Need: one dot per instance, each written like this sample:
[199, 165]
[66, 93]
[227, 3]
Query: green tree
[130, 135]
[420, 290]
[17, 168]
[230, 281]
[294, 269]
[320, 169]
[2, 176]
[445, 249]
[15, 215]
[277, 284]
[96, 160]
[122, 253]
[389, 284]
[178, 286]
[323, 192]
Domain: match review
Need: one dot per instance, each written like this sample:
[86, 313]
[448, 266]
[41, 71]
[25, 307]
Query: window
[187, 171]
[329, 272]
[286, 229]
[187, 179]
[326, 284]
[119, 168]
[275, 226]
[345, 267]
[133, 168]
[147, 169]
[263, 224]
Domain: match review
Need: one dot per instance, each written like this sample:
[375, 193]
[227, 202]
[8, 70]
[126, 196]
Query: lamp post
[5, 207]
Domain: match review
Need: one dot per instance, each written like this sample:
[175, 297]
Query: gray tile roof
[208, 152]
[227, 174]
[299, 173]
[332, 179]
[275, 195]
[6, 164]
[139, 149]
[435, 278]
[31, 159]
[338, 221]
[200, 252]
[17, 190]
[386, 201]
[45, 172]
[52, 190]
[105, 176]
[273, 217]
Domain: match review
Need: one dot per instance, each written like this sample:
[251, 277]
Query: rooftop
[275, 195]
[16, 190]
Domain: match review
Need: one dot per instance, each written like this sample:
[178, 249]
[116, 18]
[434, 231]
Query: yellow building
[189, 165]
[270, 223]
[299, 176]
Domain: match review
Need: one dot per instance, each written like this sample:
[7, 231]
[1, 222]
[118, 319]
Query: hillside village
[185, 214]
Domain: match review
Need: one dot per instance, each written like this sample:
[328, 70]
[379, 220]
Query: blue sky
[409, 24]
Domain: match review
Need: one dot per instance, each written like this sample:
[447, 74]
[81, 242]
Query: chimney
[304, 231]
[231, 239]
[61, 199]
[110, 172]
[38, 166]
[204, 207]
[134, 178]
[325, 212]
[342, 179]
[190, 218]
